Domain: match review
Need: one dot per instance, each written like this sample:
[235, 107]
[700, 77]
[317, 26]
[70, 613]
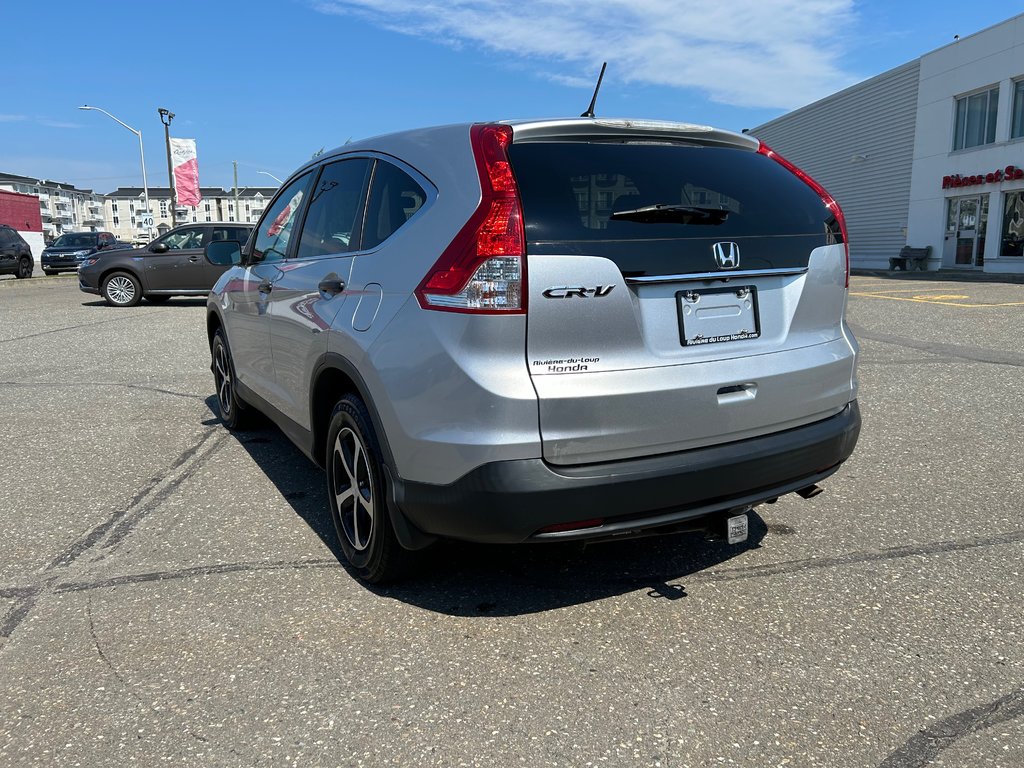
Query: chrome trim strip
[719, 275]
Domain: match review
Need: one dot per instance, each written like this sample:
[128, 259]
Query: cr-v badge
[727, 255]
[567, 292]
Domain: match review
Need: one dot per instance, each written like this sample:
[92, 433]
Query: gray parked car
[175, 264]
[543, 331]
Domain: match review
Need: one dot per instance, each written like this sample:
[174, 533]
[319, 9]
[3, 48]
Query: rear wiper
[684, 214]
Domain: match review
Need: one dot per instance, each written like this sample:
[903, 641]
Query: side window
[331, 224]
[241, 234]
[238, 234]
[191, 237]
[5, 239]
[275, 228]
[394, 198]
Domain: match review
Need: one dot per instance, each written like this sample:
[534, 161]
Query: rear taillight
[830, 202]
[483, 270]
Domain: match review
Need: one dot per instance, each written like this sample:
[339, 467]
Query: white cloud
[751, 53]
[45, 121]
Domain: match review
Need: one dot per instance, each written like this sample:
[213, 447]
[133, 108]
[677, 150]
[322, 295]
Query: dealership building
[929, 154]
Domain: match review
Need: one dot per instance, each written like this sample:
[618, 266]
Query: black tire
[233, 411]
[355, 488]
[121, 289]
[24, 268]
[156, 298]
[49, 272]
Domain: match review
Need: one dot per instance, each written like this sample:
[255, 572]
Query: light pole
[142, 155]
[267, 173]
[165, 117]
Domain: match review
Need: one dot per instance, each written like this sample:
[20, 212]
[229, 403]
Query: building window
[976, 119]
[163, 207]
[117, 222]
[1017, 128]
[1013, 225]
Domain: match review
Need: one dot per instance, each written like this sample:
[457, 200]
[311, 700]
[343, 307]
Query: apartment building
[62, 206]
[123, 208]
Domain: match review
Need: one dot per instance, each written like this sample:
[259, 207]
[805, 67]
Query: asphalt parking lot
[170, 593]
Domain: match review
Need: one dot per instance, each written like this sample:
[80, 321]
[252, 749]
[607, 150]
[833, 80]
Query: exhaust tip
[809, 492]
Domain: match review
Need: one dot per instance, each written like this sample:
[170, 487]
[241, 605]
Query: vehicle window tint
[5, 239]
[239, 234]
[191, 237]
[75, 240]
[275, 228]
[331, 224]
[394, 198]
[570, 190]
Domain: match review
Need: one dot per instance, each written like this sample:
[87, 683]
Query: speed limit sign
[146, 220]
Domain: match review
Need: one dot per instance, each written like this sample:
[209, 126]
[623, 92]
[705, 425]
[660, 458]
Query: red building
[21, 212]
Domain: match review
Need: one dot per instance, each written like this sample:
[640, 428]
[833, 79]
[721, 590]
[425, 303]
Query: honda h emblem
[727, 255]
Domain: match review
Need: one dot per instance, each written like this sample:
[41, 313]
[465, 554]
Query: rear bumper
[511, 501]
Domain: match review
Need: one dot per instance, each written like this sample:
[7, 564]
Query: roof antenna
[593, 101]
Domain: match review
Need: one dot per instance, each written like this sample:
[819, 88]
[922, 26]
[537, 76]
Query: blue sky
[269, 82]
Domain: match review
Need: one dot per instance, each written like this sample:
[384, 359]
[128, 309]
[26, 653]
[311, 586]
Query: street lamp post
[165, 117]
[142, 156]
[267, 173]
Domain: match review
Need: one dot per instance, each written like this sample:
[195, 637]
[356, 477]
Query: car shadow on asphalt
[462, 579]
[175, 301]
[465, 579]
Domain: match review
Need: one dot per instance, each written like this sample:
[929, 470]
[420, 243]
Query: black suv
[172, 265]
[15, 254]
[72, 248]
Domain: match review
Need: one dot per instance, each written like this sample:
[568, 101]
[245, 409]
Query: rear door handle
[193, 259]
[331, 287]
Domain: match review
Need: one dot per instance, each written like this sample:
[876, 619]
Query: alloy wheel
[353, 488]
[120, 289]
[222, 378]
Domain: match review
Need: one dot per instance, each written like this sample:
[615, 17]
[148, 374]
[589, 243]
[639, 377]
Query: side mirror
[159, 248]
[224, 253]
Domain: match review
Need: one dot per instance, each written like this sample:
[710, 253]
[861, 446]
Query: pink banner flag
[186, 171]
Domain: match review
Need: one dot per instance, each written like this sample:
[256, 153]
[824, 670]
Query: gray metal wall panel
[859, 144]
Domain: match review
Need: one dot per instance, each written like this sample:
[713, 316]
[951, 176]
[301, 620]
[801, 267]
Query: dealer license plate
[737, 529]
[716, 315]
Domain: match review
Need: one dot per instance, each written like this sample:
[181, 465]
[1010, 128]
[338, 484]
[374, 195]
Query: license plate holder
[717, 315]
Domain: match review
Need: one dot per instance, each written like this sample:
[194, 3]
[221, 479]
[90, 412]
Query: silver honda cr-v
[542, 331]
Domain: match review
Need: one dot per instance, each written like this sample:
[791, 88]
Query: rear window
[570, 190]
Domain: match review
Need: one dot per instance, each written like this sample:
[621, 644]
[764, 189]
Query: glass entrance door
[966, 219]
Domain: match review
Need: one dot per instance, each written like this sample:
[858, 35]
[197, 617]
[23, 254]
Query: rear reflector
[483, 269]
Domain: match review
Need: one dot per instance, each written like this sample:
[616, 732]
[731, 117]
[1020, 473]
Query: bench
[911, 258]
